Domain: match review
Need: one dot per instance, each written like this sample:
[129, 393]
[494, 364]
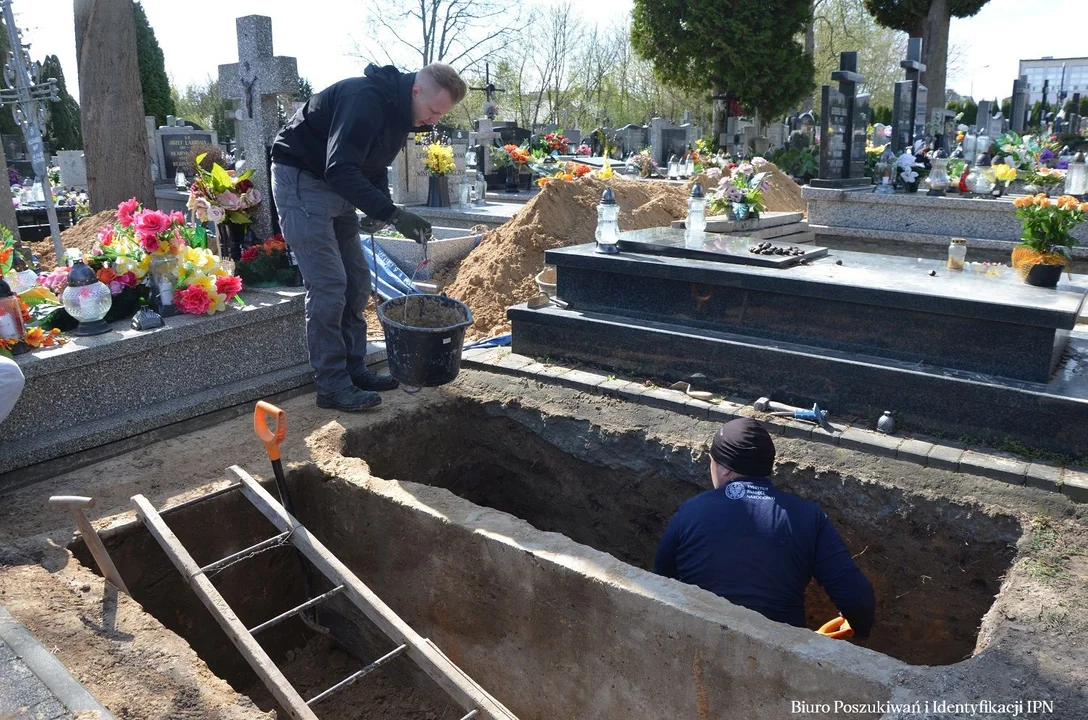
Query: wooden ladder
[462, 689]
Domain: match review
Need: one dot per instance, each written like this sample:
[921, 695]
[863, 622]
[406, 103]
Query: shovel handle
[270, 436]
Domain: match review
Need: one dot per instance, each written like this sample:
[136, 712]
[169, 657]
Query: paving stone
[946, 456]
[544, 371]
[481, 356]
[857, 438]
[1045, 476]
[725, 411]
[582, 379]
[623, 389]
[676, 401]
[991, 465]
[831, 437]
[914, 450]
[1075, 485]
[512, 361]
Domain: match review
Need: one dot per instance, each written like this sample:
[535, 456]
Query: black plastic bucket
[423, 356]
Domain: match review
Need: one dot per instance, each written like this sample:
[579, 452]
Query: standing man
[758, 546]
[331, 158]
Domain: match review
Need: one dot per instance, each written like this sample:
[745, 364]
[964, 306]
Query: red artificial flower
[251, 253]
[229, 285]
[125, 211]
[177, 217]
[128, 279]
[243, 186]
[193, 300]
[275, 243]
[106, 275]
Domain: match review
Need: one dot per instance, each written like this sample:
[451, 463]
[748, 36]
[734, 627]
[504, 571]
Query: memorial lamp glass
[87, 300]
[607, 233]
[1076, 177]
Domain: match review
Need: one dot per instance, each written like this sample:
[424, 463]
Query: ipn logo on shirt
[736, 490]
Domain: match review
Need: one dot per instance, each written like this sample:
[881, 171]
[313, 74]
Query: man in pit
[758, 546]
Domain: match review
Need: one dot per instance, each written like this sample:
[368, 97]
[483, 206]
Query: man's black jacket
[349, 133]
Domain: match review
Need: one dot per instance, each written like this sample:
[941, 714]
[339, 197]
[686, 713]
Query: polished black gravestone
[843, 122]
[714, 247]
[909, 104]
[884, 306]
[952, 353]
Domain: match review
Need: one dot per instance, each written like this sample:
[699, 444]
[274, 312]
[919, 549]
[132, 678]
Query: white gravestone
[255, 81]
[73, 169]
[408, 177]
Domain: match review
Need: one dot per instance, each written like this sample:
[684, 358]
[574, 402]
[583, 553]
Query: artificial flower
[1004, 173]
[217, 214]
[228, 285]
[275, 243]
[125, 211]
[193, 300]
[252, 252]
[106, 235]
[106, 275]
[151, 222]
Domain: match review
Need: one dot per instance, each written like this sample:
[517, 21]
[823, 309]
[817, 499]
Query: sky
[323, 33]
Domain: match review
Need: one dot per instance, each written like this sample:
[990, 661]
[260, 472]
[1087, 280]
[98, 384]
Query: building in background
[1066, 75]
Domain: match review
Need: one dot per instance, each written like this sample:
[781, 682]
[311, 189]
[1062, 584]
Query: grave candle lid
[81, 275]
[696, 190]
[608, 197]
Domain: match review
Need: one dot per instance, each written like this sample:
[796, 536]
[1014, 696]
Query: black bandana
[745, 447]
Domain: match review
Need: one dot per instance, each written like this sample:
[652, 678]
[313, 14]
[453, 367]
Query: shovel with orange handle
[837, 629]
[272, 437]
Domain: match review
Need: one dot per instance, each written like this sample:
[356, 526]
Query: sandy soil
[1033, 642]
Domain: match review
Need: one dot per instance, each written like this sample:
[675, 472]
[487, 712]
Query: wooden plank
[285, 694]
[460, 687]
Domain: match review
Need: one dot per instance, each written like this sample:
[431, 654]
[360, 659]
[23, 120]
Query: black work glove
[411, 225]
[369, 225]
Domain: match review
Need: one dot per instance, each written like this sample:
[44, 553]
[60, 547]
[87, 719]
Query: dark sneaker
[350, 399]
[370, 380]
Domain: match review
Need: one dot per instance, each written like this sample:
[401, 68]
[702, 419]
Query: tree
[62, 130]
[7, 122]
[929, 20]
[153, 80]
[457, 32]
[750, 48]
[302, 93]
[842, 25]
[201, 104]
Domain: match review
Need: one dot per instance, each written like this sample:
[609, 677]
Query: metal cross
[27, 95]
[489, 88]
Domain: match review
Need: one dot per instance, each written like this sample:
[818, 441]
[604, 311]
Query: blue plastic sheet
[494, 342]
[390, 280]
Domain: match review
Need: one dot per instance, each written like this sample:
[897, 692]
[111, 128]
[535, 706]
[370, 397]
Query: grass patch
[1047, 556]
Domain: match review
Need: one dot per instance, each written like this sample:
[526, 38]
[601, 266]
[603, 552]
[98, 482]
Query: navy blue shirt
[759, 547]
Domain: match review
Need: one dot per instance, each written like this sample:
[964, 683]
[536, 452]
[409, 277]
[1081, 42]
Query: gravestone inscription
[844, 120]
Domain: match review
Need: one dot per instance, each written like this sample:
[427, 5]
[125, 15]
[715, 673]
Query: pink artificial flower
[193, 300]
[230, 201]
[128, 279]
[177, 217]
[149, 242]
[151, 222]
[125, 211]
[229, 285]
[254, 196]
[216, 214]
[105, 235]
[96, 251]
[116, 287]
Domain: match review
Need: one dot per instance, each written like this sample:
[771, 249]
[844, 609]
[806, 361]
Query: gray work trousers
[323, 230]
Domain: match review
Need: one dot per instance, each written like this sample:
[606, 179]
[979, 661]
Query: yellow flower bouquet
[439, 159]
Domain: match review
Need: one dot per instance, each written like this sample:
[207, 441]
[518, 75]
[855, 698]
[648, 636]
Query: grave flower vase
[438, 191]
[513, 184]
[1038, 268]
[231, 237]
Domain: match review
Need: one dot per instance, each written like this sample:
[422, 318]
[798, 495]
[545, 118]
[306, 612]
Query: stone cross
[909, 114]
[844, 121]
[255, 80]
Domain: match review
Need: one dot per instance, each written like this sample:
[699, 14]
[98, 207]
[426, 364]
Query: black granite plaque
[176, 148]
[861, 127]
[903, 116]
[833, 130]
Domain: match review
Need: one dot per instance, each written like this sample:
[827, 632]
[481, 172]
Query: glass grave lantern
[1076, 177]
[164, 275]
[695, 223]
[11, 315]
[938, 174]
[607, 233]
[885, 172]
[87, 300]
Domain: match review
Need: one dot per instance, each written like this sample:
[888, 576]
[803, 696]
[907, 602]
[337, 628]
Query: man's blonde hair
[445, 77]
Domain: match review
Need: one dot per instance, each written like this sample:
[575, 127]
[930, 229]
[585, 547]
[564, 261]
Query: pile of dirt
[500, 271]
[81, 235]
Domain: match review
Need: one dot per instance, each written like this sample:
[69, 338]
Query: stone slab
[947, 216]
[946, 456]
[1004, 468]
[993, 325]
[706, 246]
[722, 224]
[939, 403]
[858, 438]
[32, 677]
[1075, 485]
[914, 450]
[128, 382]
[1045, 476]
